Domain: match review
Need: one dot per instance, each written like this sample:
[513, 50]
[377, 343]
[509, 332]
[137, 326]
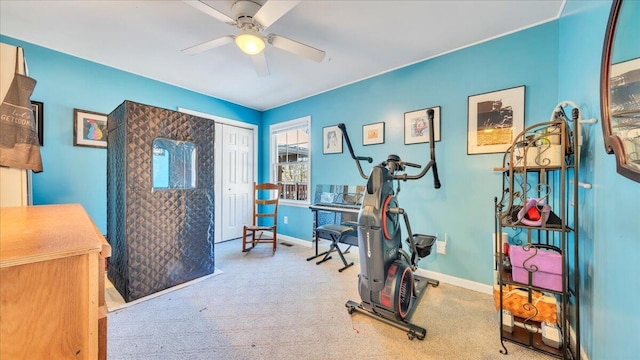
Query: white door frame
[218, 174]
[235, 159]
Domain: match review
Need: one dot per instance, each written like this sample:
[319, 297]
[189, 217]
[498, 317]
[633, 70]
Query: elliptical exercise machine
[387, 285]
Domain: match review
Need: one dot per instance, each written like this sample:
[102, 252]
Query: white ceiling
[361, 39]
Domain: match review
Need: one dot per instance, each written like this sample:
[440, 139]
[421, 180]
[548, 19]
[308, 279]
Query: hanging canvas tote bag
[19, 146]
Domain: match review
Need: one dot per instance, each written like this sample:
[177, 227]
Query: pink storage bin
[548, 263]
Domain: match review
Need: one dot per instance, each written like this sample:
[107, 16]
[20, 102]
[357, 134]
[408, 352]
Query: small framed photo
[331, 140]
[495, 119]
[89, 129]
[416, 126]
[38, 115]
[373, 134]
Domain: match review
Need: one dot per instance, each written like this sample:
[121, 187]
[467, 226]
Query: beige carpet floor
[263, 305]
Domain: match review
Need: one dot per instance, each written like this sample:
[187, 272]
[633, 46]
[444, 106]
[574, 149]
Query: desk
[334, 208]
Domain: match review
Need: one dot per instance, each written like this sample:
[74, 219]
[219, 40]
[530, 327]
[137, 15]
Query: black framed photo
[38, 115]
[416, 126]
[89, 129]
[373, 133]
[331, 140]
[494, 120]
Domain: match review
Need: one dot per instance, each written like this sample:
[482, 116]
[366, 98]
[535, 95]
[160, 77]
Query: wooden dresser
[51, 284]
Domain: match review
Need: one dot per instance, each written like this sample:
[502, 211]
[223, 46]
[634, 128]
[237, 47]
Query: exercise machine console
[388, 288]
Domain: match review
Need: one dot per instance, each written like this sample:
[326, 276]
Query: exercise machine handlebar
[368, 159]
[430, 165]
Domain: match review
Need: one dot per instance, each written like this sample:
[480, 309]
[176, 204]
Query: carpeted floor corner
[266, 305]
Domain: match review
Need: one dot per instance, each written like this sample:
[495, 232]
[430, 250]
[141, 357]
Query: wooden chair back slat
[265, 205]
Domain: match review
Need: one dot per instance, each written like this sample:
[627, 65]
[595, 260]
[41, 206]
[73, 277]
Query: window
[290, 161]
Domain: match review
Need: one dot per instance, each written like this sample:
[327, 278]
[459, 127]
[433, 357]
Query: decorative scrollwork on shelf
[517, 240]
[544, 191]
[533, 310]
[533, 267]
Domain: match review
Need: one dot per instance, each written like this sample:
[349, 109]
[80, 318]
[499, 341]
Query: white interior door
[236, 167]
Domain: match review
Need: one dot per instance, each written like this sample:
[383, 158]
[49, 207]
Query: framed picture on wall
[494, 120]
[89, 129]
[331, 140]
[373, 134]
[38, 115]
[416, 126]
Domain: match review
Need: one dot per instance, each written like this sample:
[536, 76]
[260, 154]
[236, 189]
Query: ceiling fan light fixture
[250, 42]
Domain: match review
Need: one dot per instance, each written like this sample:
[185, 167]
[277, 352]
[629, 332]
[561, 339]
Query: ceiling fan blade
[260, 63]
[210, 11]
[208, 45]
[295, 47]
[273, 10]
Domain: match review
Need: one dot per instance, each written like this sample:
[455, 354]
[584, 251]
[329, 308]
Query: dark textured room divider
[162, 235]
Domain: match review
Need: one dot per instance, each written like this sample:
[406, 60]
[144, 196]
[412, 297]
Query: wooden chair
[265, 205]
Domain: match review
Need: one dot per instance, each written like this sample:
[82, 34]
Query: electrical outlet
[286, 219]
[441, 247]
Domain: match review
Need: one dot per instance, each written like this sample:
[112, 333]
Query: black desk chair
[337, 234]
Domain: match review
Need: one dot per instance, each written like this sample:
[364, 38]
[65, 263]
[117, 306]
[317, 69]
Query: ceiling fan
[252, 19]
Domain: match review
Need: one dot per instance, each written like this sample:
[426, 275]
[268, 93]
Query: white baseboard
[572, 335]
[293, 240]
[456, 281]
[448, 279]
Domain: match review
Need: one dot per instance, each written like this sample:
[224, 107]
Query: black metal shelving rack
[533, 168]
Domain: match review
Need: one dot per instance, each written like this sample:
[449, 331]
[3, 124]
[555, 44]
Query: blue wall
[463, 207]
[78, 174]
[556, 61]
[609, 229]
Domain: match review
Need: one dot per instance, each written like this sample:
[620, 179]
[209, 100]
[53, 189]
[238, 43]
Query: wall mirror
[620, 88]
[174, 164]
